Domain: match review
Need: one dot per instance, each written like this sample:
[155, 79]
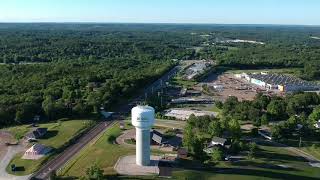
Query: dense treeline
[283, 47]
[56, 90]
[299, 108]
[47, 43]
[59, 70]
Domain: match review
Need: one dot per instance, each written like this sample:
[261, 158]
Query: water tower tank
[142, 119]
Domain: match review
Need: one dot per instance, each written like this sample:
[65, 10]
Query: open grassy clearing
[181, 82]
[266, 165]
[308, 145]
[59, 134]
[103, 152]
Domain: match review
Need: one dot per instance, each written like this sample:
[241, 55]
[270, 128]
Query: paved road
[63, 158]
[11, 152]
[161, 82]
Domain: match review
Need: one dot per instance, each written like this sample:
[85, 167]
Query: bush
[216, 154]
[252, 150]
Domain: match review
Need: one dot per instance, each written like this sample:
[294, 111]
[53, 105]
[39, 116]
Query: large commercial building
[283, 83]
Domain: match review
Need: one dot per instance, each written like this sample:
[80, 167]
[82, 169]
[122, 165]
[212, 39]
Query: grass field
[181, 82]
[102, 151]
[58, 134]
[311, 146]
[269, 163]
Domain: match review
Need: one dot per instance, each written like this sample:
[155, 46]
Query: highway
[65, 156]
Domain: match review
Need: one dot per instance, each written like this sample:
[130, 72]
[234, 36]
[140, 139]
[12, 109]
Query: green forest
[71, 70]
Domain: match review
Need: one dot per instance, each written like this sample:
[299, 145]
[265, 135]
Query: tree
[94, 100]
[216, 154]
[252, 150]
[276, 132]
[234, 129]
[276, 108]
[48, 107]
[215, 128]
[198, 146]
[188, 138]
[219, 104]
[315, 115]
[94, 173]
[264, 119]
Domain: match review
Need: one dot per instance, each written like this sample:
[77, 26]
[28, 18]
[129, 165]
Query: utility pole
[300, 142]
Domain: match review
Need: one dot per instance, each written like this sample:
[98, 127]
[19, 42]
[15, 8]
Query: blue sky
[305, 12]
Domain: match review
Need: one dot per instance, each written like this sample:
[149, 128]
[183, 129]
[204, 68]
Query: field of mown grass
[103, 152]
[266, 165]
[59, 133]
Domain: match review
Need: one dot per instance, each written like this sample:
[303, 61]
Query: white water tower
[142, 119]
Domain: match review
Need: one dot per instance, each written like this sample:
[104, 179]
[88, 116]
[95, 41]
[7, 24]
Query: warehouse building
[283, 83]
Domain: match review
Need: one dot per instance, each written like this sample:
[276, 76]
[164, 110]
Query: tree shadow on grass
[273, 156]
[251, 172]
[50, 134]
[19, 169]
[263, 165]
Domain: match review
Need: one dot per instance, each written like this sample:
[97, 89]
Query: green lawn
[181, 82]
[18, 131]
[264, 166]
[58, 135]
[309, 145]
[103, 152]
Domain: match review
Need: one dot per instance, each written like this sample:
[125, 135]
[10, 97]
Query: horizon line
[166, 23]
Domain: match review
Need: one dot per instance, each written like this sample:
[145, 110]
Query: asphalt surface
[11, 152]
[65, 156]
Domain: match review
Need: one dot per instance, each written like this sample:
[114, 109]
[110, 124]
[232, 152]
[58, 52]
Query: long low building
[283, 83]
[186, 100]
[184, 114]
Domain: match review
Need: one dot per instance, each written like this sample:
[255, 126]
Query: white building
[184, 114]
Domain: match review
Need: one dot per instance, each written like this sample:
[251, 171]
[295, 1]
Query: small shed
[36, 151]
[36, 134]
[157, 137]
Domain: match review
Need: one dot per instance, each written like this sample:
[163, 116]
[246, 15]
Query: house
[157, 137]
[36, 151]
[217, 141]
[317, 124]
[36, 134]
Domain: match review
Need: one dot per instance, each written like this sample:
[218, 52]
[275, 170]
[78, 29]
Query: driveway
[8, 152]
